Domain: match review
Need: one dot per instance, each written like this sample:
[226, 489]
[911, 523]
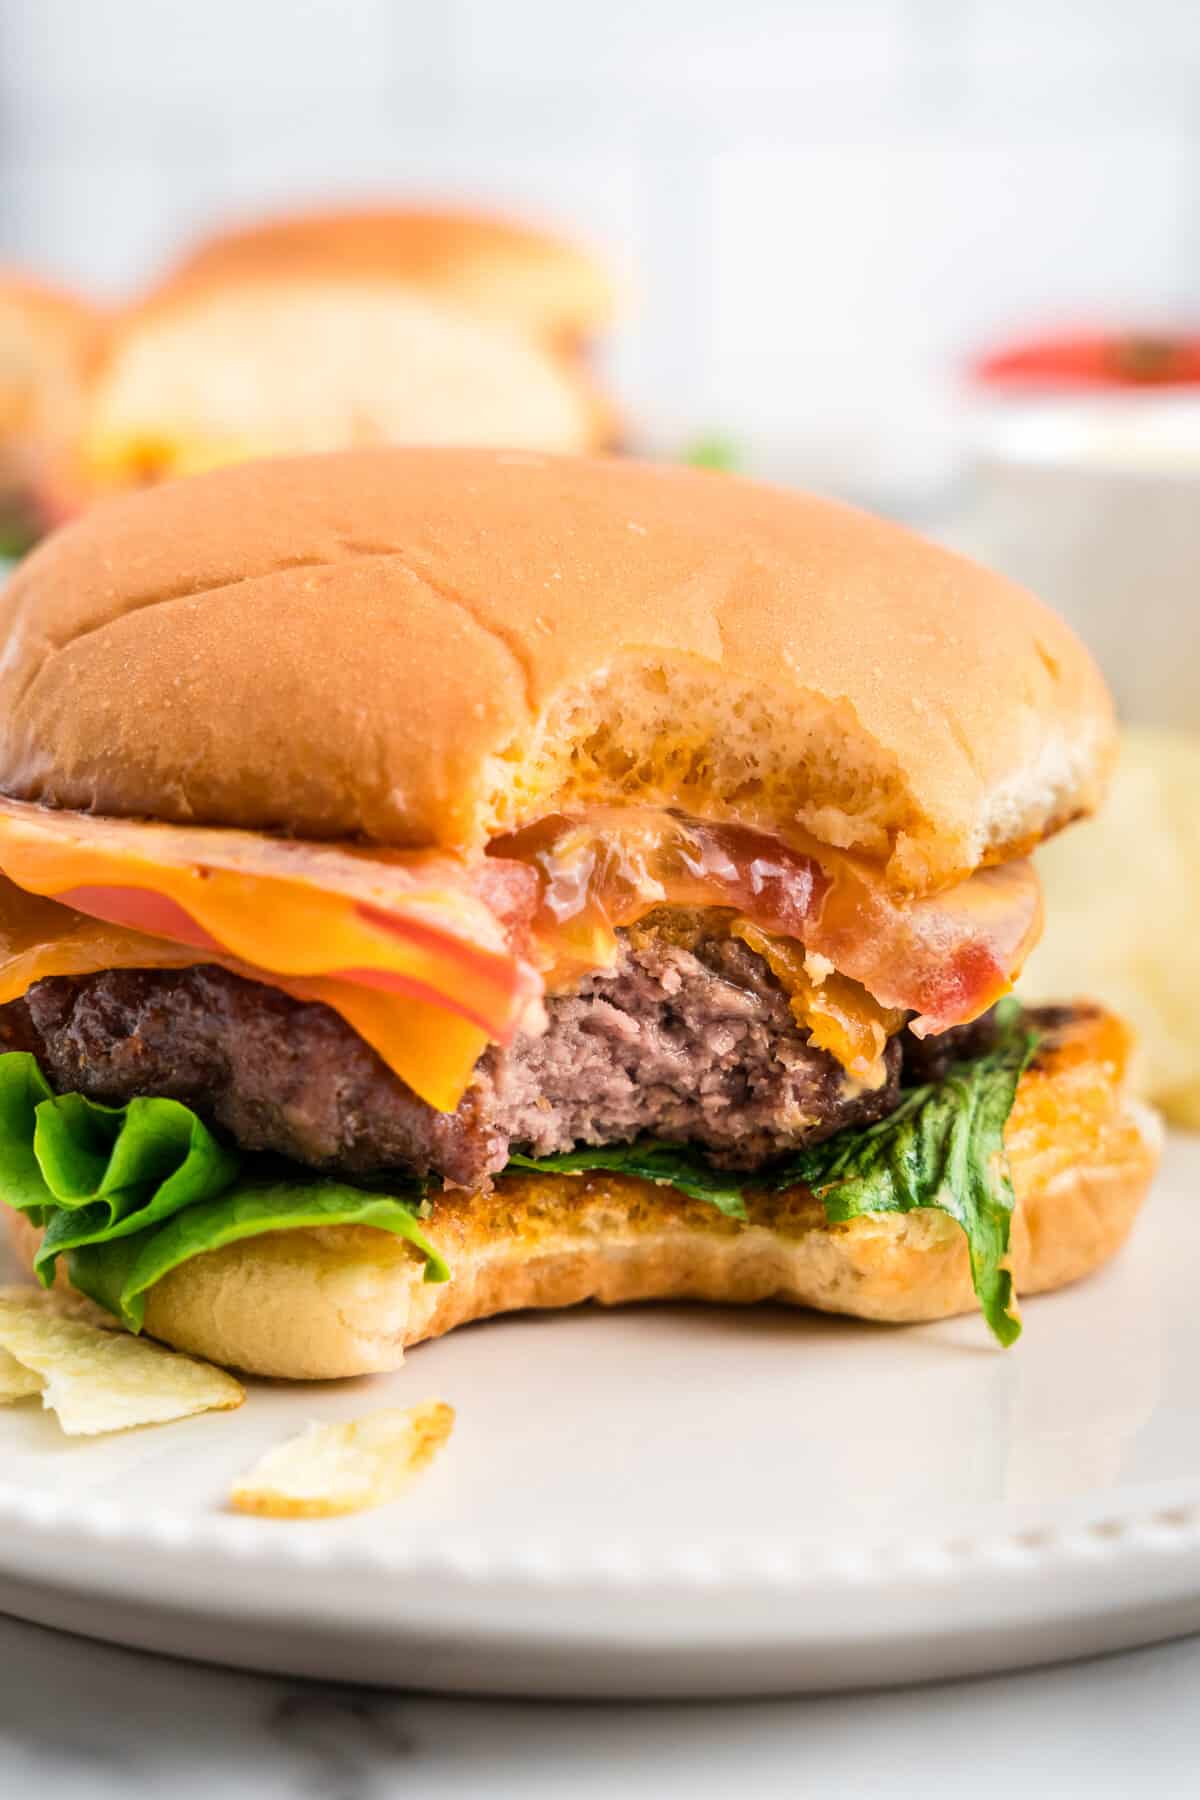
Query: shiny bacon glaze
[400, 939]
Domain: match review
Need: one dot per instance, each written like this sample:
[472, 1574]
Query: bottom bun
[311, 1305]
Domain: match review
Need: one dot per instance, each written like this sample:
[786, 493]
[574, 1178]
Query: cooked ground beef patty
[693, 1044]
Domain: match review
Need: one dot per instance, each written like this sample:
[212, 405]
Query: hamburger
[338, 330]
[48, 341]
[442, 882]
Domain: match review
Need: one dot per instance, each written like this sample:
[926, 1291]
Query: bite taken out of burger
[443, 882]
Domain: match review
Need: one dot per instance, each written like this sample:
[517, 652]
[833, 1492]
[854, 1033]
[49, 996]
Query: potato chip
[61, 1299]
[16, 1381]
[332, 1469]
[99, 1380]
[1122, 895]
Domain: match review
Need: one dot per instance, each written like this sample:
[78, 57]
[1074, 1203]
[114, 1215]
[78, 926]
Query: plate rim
[1156, 1518]
[1165, 1527]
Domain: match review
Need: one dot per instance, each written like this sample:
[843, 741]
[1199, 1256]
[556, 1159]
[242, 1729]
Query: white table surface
[82, 1720]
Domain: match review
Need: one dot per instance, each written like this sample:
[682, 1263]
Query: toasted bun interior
[348, 1301]
[423, 647]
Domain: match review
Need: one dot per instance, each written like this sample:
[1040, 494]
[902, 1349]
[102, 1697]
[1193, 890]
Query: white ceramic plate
[677, 1501]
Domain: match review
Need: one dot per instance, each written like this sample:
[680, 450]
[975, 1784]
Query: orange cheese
[433, 1050]
[408, 924]
[839, 1014]
[426, 955]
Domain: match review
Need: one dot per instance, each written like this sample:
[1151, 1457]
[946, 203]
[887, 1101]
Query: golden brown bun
[310, 1305]
[48, 341]
[493, 266]
[431, 647]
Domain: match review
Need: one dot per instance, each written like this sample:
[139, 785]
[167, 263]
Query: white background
[821, 205]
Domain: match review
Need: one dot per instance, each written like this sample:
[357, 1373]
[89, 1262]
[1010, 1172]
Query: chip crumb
[98, 1379]
[330, 1470]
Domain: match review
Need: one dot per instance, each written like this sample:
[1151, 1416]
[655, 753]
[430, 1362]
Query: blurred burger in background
[502, 271]
[330, 330]
[48, 341]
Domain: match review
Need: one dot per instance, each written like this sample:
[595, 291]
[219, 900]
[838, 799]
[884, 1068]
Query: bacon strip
[416, 925]
[946, 958]
[476, 941]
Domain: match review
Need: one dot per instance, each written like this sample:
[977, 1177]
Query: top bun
[489, 265]
[434, 646]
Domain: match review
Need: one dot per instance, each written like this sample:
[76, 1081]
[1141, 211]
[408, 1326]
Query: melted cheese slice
[839, 1014]
[415, 948]
[409, 924]
[431, 1049]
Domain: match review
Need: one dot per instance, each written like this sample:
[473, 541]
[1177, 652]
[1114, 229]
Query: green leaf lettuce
[673, 1164]
[118, 1272]
[942, 1148]
[130, 1192]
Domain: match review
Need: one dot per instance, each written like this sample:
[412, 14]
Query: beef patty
[692, 1045]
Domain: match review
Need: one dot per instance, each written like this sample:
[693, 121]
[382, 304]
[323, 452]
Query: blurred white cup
[1094, 503]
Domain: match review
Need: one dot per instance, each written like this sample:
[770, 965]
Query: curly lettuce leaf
[117, 1171]
[89, 1172]
[23, 1088]
[118, 1272]
[130, 1192]
[943, 1148]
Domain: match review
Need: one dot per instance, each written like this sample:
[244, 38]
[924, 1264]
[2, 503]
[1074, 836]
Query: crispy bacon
[413, 923]
[476, 940]
[946, 958]
[429, 1046]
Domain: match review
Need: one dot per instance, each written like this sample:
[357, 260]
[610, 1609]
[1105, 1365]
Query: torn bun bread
[435, 882]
